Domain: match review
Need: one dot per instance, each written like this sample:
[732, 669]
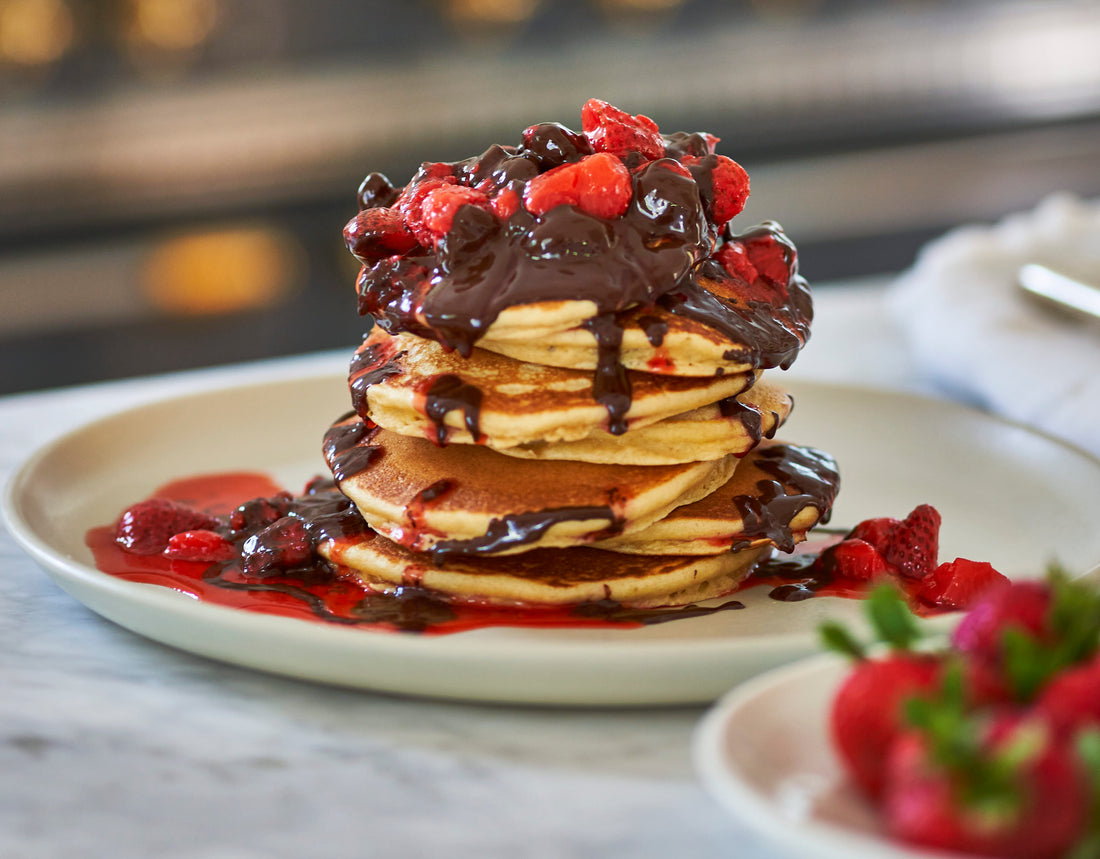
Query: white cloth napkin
[977, 336]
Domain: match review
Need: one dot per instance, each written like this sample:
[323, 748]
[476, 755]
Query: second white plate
[1007, 495]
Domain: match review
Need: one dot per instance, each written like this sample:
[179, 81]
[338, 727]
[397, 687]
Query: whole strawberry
[1010, 789]
[867, 714]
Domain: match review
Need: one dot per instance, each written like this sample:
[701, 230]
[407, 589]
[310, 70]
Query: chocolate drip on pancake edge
[521, 529]
[347, 447]
[611, 385]
[767, 515]
[448, 393]
[372, 364]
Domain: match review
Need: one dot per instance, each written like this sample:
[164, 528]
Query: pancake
[466, 499]
[547, 576]
[713, 324]
[778, 492]
[413, 386]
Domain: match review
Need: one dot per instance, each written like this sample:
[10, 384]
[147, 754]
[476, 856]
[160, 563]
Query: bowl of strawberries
[983, 743]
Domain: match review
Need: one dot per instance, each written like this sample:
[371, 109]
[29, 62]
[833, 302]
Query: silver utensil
[1078, 297]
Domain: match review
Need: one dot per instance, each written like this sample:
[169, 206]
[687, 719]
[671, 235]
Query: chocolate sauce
[373, 363]
[347, 448]
[611, 385]
[768, 512]
[447, 393]
[522, 529]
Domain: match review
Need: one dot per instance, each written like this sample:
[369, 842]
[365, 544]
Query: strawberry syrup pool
[321, 594]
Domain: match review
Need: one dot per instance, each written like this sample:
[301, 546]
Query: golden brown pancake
[775, 496]
[470, 500]
[413, 386]
[548, 576]
[741, 335]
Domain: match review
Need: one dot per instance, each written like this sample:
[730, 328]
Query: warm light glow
[222, 271]
[35, 32]
[491, 11]
[172, 25]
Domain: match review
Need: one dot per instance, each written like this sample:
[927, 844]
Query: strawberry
[199, 545]
[505, 203]
[724, 184]
[599, 184]
[957, 584]
[853, 559]
[410, 203]
[874, 531]
[1071, 700]
[735, 259]
[146, 527]
[1009, 789]
[377, 233]
[867, 716]
[282, 546]
[1022, 607]
[912, 546]
[866, 713]
[612, 130]
[437, 212]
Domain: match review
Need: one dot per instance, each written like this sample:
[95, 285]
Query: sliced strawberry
[599, 184]
[723, 182]
[437, 212]
[505, 203]
[610, 129]
[146, 527]
[199, 545]
[875, 531]
[914, 543]
[853, 559]
[411, 201]
[866, 715]
[377, 233]
[958, 584]
[735, 259]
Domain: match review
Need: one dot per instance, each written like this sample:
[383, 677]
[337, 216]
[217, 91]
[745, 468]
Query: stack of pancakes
[568, 452]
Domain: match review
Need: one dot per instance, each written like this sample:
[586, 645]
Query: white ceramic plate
[1007, 495]
[763, 752]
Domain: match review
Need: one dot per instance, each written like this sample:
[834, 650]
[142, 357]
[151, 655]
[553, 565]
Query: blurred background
[175, 174]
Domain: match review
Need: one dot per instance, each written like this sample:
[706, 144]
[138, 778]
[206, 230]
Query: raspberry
[599, 185]
[199, 545]
[773, 259]
[958, 583]
[146, 527]
[723, 183]
[913, 545]
[611, 130]
[377, 233]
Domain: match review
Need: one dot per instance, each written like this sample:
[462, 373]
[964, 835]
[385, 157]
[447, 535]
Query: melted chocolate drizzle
[768, 514]
[448, 393]
[522, 529]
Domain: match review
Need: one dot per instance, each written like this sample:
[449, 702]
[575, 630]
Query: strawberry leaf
[837, 638]
[891, 618]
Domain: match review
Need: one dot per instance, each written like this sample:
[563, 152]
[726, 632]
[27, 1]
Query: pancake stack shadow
[565, 405]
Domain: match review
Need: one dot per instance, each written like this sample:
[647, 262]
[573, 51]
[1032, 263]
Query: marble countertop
[112, 745]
